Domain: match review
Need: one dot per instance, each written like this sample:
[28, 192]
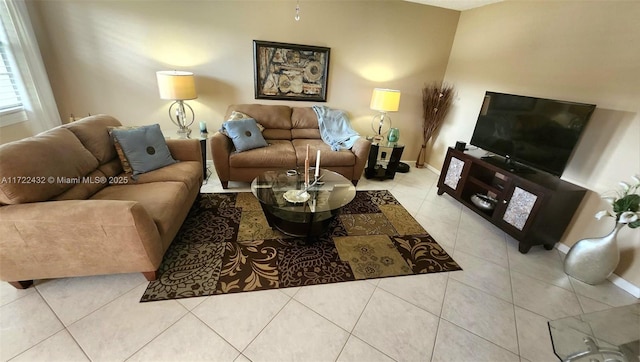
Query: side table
[377, 165]
[203, 149]
[608, 335]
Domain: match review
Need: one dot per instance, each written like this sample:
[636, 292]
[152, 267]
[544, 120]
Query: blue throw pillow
[144, 148]
[245, 134]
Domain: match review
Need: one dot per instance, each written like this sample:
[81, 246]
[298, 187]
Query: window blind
[10, 100]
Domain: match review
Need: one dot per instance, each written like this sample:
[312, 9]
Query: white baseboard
[410, 163]
[616, 280]
[426, 165]
[625, 285]
[562, 248]
[435, 170]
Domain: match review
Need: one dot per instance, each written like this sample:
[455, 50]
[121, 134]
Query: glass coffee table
[295, 212]
[605, 336]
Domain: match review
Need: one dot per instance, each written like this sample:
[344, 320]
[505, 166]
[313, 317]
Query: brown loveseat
[288, 130]
[67, 209]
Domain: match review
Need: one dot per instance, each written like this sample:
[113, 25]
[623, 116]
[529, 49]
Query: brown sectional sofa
[67, 209]
[288, 130]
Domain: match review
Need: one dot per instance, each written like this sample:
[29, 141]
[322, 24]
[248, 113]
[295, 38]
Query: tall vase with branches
[436, 101]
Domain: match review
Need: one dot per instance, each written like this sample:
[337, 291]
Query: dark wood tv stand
[534, 208]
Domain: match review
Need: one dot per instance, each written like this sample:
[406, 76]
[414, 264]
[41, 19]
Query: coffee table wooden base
[312, 225]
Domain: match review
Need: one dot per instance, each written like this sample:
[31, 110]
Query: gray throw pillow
[144, 147]
[245, 134]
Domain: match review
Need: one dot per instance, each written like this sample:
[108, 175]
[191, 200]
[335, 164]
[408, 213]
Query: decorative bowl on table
[296, 196]
[484, 202]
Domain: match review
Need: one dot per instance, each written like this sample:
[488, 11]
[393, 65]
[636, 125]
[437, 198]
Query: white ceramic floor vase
[593, 260]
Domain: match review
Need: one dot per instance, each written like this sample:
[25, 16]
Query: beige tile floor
[496, 309]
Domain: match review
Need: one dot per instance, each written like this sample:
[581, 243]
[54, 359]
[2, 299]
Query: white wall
[102, 55]
[578, 51]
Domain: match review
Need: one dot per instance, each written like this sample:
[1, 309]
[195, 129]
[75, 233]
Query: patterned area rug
[225, 245]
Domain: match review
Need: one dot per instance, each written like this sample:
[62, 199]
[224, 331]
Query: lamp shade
[385, 100]
[176, 85]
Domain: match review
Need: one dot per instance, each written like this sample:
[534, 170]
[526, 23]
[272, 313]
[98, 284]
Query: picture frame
[290, 71]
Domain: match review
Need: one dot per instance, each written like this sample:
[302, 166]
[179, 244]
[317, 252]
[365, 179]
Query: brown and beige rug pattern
[225, 245]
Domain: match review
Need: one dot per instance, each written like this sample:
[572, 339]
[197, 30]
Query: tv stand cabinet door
[520, 208]
[453, 175]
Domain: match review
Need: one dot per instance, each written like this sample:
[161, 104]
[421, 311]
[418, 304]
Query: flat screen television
[536, 132]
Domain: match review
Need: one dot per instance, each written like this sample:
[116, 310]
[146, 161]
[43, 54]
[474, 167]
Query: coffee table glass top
[609, 335]
[332, 192]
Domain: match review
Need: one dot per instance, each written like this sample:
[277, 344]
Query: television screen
[540, 133]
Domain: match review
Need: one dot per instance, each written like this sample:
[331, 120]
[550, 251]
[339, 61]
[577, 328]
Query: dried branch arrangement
[436, 101]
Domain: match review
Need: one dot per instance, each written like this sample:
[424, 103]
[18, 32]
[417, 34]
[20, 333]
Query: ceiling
[456, 4]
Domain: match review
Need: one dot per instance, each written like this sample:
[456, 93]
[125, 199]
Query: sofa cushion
[271, 117]
[93, 132]
[42, 166]
[244, 133]
[304, 123]
[277, 134]
[327, 156]
[158, 198]
[87, 186]
[144, 148]
[111, 168]
[305, 133]
[122, 158]
[183, 171]
[303, 118]
[279, 154]
[239, 115]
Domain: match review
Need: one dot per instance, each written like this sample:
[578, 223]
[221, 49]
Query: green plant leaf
[627, 203]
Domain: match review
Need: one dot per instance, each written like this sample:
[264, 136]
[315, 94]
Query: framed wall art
[290, 71]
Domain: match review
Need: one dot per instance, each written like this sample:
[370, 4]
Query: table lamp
[383, 100]
[178, 86]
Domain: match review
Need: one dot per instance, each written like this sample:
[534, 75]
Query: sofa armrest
[185, 149]
[221, 147]
[77, 237]
[361, 150]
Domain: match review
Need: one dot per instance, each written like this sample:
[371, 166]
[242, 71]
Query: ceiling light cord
[297, 17]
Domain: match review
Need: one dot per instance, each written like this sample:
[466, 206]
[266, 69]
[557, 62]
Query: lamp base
[184, 133]
[381, 124]
[377, 138]
[179, 116]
